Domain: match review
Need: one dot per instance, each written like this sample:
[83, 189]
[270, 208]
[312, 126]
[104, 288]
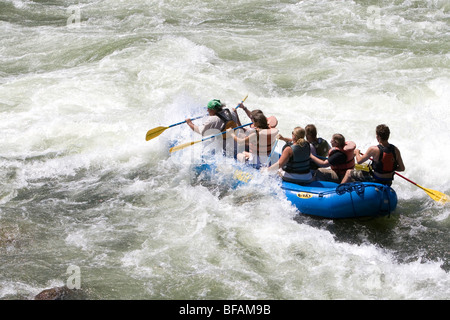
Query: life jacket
[322, 147]
[300, 160]
[348, 150]
[272, 121]
[387, 161]
[228, 121]
[227, 118]
[265, 140]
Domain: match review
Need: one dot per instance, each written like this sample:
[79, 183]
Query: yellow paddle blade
[363, 167]
[153, 133]
[436, 195]
[184, 145]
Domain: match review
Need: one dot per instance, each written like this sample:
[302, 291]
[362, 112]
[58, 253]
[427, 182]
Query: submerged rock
[60, 293]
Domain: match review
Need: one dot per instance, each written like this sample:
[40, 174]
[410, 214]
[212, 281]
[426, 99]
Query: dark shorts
[323, 174]
[360, 175]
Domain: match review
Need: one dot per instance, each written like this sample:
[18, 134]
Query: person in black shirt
[340, 159]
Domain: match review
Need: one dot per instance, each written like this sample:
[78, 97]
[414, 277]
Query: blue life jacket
[300, 161]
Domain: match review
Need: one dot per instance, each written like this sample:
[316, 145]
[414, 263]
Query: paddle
[188, 144]
[433, 194]
[271, 152]
[363, 167]
[153, 133]
[241, 101]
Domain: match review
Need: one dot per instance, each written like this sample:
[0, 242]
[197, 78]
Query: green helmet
[215, 105]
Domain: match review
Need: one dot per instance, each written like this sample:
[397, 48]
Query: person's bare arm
[284, 158]
[192, 125]
[372, 152]
[401, 165]
[320, 162]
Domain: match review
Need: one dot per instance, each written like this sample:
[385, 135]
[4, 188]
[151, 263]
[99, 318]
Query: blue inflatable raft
[349, 200]
[320, 198]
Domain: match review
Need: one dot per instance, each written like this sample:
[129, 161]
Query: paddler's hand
[190, 124]
[241, 105]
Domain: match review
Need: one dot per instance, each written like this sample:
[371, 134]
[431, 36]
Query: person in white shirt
[219, 120]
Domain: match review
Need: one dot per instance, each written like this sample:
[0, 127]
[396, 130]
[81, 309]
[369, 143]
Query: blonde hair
[299, 134]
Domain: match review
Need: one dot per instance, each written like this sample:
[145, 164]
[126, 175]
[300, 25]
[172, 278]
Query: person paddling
[272, 121]
[220, 118]
[386, 159]
[260, 141]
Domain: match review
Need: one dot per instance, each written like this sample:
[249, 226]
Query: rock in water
[57, 293]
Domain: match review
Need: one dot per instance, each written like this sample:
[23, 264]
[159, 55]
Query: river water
[86, 201]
